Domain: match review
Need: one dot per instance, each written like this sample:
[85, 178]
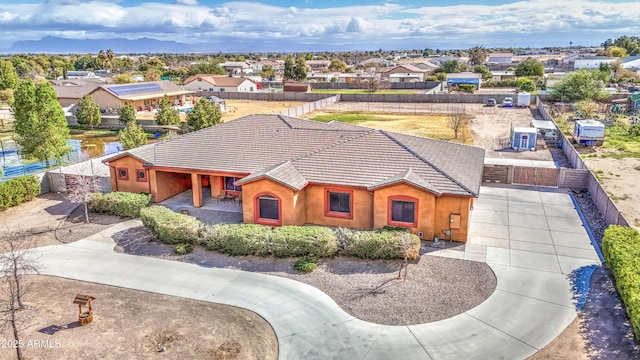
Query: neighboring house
[500, 58]
[404, 69]
[426, 66]
[592, 62]
[137, 78]
[464, 78]
[503, 75]
[318, 65]
[320, 77]
[71, 91]
[291, 86]
[221, 83]
[142, 96]
[235, 67]
[443, 59]
[406, 77]
[378, 61]
[630, 62]
[81, 75]
[350, 77]
[292, 171]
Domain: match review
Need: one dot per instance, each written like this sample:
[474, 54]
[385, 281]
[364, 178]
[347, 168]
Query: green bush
[237, 239]
[500, 84]
[291, 241]
[184, 249]
[379, 244]
[171, 227]
[285, 241]
[16, 191]
[122, 204]
[306, 264]
[621, 250]
[468, 88]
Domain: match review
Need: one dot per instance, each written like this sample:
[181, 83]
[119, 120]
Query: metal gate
[535, 176]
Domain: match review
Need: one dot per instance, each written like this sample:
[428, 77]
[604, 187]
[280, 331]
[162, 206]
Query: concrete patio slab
[569, 264]
[556, 198]
[587, 254]
[488, 241]
[574, 240]
[533, 247]
[519, 233]
[566, 224]
[541, 285]
[524, 195]
[498, 256]
[561, 211]
[394, 335]
[491, 204]
[498, 193]
[491, 216]
[489, 230]
[526, 208]
[535, 261]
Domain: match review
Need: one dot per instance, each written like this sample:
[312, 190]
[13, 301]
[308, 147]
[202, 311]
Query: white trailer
[524, 99]
[588, 132]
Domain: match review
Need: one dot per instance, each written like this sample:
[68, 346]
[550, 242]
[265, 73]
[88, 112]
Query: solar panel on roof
[131, 89]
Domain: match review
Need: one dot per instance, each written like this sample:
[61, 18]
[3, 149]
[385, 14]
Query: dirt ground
[618, 176]
[239, 108]
[131, 324]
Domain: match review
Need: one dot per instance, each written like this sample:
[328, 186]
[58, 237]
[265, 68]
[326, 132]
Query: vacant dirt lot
[239, 108]
[131, 324]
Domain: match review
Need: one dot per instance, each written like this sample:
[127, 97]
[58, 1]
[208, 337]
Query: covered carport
[546, 128]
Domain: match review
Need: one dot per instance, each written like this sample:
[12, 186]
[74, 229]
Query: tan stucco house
[220, 83]
[292, 172]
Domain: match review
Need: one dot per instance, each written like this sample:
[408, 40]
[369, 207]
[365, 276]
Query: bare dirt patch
[368, 290]
[619, 178]
[131, 324]
[239, 108]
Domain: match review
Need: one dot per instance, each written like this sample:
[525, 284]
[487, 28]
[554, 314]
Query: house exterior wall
[167, 184]
[199, 85]
[445, 207]
[591, 63]
[64, 102]
[426, 207]
[131, 184]
[105, 99]
[316, 207]
[255, 189]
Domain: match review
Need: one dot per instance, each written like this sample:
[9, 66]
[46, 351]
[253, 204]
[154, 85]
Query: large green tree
[301, 69]
[8, 76]
[205, 113]
[481, 69]
[526, 84]
[583, 84]
[127, 114]
[88, 112]
[338, 65]
[40, 126]
[167, 115]
[450, 66]
[132, 136]
[477, 55]
[530, 67]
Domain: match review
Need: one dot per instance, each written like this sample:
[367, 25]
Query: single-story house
[503, 75]
[142, 96]
[592, 62]
[406, 77]
[235, 67]
[464, 78]
[630, 62]
[221, 83]
[69, 92]
[500, 58]
[405, 69]
[318, 65]
[292, 171]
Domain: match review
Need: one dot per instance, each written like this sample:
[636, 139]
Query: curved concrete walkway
[530, 307]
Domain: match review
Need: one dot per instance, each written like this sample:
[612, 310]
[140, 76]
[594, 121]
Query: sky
[317, 25]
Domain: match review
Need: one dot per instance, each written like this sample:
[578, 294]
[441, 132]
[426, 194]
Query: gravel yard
[436, 288]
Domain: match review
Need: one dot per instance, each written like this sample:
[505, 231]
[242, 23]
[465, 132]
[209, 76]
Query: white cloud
[391, 25]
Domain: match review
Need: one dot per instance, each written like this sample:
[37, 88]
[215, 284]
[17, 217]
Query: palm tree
[102, 58]
[110, 56]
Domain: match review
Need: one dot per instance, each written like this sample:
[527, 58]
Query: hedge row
[16, 191]
[285, 241]
[171, 227]
[119, 203]
[379, 244]
[621, 249]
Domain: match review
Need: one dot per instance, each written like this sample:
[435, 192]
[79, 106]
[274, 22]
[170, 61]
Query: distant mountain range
[57, 45]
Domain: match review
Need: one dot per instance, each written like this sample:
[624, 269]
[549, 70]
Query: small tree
[88, 112]
[17, 260]
[127, 114]
[123, 79]
[526, 84]
[167, 115]
[481, 69]
[530, 67]
[81, 185]
[477, 55]
[8, 77]
[301, 69]
[132, 136]
[458, 118]
[371, 83]
[586, 108]
[204, 114]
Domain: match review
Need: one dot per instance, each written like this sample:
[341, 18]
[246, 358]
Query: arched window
[403, 211]
[267, 209]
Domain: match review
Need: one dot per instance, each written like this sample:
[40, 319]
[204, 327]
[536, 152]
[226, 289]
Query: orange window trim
[390, 222]
[141, 179]
[342, 215]
[120, 177]
[256, 210]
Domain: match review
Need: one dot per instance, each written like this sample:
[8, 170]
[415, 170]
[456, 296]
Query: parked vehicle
[491, 102]
[507, 102]
[588, 132]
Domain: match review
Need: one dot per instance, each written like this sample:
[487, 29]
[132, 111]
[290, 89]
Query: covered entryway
[213, 210]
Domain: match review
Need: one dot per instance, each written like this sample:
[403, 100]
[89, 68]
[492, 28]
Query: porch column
[196, 187]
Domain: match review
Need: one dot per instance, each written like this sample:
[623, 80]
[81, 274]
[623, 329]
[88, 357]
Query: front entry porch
[212, 211]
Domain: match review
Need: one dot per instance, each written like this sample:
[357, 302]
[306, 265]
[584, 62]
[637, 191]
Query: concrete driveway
[531, 240]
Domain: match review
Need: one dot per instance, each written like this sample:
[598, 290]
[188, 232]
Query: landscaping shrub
[184, 249]
[285, 241]
[16, 191]
[171, 227]
[291, 241]
[468, 88]
[122, 204]
[379, 244]
[621, 250]
[237, 239]
[306, 264]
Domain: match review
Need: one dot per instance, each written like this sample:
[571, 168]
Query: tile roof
[217, 80]
[296, 152]
[167, 87]
[74, 89]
